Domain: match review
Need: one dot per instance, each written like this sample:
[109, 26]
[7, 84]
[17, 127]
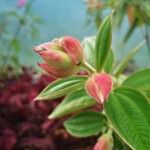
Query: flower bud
[73, 48]
[63, 56]
[98, 86]
[58, 73]
[105, 142]
[56, 58]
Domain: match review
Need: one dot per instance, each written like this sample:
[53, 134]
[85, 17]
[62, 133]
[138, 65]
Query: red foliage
[23, 122]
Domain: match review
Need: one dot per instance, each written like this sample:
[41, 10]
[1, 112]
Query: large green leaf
[85, 124]
[89, 51]
[73, 102]
[128, 111]
[62, 87]
[103, 42]
[139, 80]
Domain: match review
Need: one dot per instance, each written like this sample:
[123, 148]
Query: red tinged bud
[98, 86]
[105, 142]
[56, 58]
[58, 73]
[63, 56]
[73, 48]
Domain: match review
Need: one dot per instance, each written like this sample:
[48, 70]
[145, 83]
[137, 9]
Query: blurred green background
[39, 21]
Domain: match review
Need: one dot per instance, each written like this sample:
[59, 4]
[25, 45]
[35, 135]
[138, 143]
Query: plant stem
[109, 132]
[88, 67]
[147, 38]
[123, 64]
[15, 36]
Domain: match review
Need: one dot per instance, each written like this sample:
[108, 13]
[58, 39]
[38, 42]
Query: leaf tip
[36, 99]
[112, 12]
[50, 117]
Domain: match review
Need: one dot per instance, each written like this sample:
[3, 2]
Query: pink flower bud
[56, 58]
[63, 56]
[58, 73]
[104, 143]
[98, 86]
[73, 49]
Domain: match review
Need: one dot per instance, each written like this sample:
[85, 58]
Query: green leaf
[119, 144]
[73, 102]
[128, 112]
[89, 51]
[61, 87]
[109, 62]
[90, 54]
[85, 124]
[139, 80]
[120, 14]
[103, 42]
[124, 63]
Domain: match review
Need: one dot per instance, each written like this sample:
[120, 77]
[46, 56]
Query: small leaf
[73, 102]
[61, 87]
[120, 14]
[139, 80]
[89, 51]
[109, 62]
[128, 112]
[85, 124]
[103, 42]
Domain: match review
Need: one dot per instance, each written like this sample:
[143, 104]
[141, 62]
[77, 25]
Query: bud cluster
[64, 56]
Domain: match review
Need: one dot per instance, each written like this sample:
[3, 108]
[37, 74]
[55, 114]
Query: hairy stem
[88, 67]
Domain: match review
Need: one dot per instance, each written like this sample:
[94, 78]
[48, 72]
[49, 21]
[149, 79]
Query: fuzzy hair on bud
[98, 86]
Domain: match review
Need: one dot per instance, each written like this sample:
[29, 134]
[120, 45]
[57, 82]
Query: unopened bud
[98, 86]
[56, 58]
[73, 48]
[58, 73]
[62, 56]
[105, 142]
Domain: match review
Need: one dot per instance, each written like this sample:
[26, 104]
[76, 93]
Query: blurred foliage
[137, 12]
[15, 26]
